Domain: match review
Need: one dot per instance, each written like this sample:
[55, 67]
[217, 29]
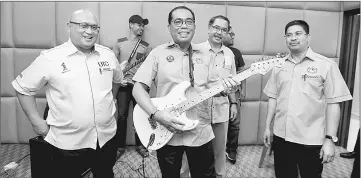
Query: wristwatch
[333, 138]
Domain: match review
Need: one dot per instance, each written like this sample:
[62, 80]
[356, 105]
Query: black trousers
[200, 160]
[124, 96]
[233, 129]
[289, 158]
[72, 163]
[356, 164]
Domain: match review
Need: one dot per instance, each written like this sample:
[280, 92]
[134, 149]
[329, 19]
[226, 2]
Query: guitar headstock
[265, 64]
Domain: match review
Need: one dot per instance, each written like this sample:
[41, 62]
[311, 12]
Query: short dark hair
[170, 15]
[301, 23]
[211, 21]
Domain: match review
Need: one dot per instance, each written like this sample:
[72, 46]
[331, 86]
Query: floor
[129, 165]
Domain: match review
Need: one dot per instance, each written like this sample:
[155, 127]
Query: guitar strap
[134, 50]
[191, 65]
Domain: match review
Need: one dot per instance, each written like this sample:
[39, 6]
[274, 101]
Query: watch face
[334, 139]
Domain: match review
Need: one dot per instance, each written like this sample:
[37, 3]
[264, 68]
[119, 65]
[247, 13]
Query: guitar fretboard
[184, 106]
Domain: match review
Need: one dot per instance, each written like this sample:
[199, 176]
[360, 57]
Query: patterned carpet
[129, 165]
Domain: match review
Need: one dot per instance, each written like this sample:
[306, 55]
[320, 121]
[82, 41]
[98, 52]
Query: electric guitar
[153, 135]
[125, 67]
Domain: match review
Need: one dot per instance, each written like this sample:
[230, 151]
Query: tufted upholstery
[30, 27]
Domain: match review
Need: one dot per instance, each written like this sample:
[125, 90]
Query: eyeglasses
[231, 34]
[219, 29]
[85, 26]
[179, 22]
[297, 35]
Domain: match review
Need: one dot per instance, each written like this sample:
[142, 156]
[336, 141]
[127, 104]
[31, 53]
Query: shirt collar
[71, 49]
[309, 55]
[209, 47]
[172, 44]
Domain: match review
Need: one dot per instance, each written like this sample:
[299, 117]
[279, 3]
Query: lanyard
[134, 50]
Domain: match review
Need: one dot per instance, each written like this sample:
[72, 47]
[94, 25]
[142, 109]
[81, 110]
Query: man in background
[131, 51]
[223, 106]
[233, 124]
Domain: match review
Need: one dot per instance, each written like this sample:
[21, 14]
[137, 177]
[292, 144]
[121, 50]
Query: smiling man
[304, 102]
[168, 65]
[78, 78]
[130, 51]
[224, 105]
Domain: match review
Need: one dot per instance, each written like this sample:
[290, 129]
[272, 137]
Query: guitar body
[162, 135]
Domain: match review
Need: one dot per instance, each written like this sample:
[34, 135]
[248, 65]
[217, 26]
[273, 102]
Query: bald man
[80, 78]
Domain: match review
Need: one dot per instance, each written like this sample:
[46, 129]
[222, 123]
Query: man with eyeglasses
[233, 125]
[168, 65]
[78, 78]
[131, 51]
[223, 106]
[304, 106]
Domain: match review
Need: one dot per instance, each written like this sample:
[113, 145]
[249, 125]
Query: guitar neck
[202, 96]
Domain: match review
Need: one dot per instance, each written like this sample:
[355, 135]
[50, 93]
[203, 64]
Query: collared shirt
[222, 65]
[123, 49]
[168, 66]
[302, 91]
[79, 92]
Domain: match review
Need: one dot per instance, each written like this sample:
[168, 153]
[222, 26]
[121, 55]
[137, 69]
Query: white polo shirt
[79, 93]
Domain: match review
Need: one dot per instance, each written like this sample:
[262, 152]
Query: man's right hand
[267, 137]
[41, 128]
[168, 119]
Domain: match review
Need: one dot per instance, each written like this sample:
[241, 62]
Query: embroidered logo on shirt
[170, 58]
[305, 77]
[65, 69]
[199, 61]
[312, 70]
[103, 66]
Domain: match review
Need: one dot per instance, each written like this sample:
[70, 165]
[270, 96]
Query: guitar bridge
[153, 123]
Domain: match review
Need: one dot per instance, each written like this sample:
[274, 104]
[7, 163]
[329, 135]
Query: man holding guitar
[131, 52]
[167, 66]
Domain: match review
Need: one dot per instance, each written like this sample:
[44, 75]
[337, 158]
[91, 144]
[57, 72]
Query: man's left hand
[232, 112]
[327, 152]
[230, 84]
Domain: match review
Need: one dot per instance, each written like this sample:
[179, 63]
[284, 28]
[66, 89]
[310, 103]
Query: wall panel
[114, 21]
[6, 25]
[324, 36]
[7, 72]
[33, 24]
[249, 31]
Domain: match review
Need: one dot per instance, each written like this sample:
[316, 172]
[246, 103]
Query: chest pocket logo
[312, 70]
[312, 85]
[170, 58]
[199, 61]
[65, 69]
[103, 66]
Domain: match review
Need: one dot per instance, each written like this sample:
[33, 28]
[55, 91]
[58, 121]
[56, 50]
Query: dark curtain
[347, 65]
